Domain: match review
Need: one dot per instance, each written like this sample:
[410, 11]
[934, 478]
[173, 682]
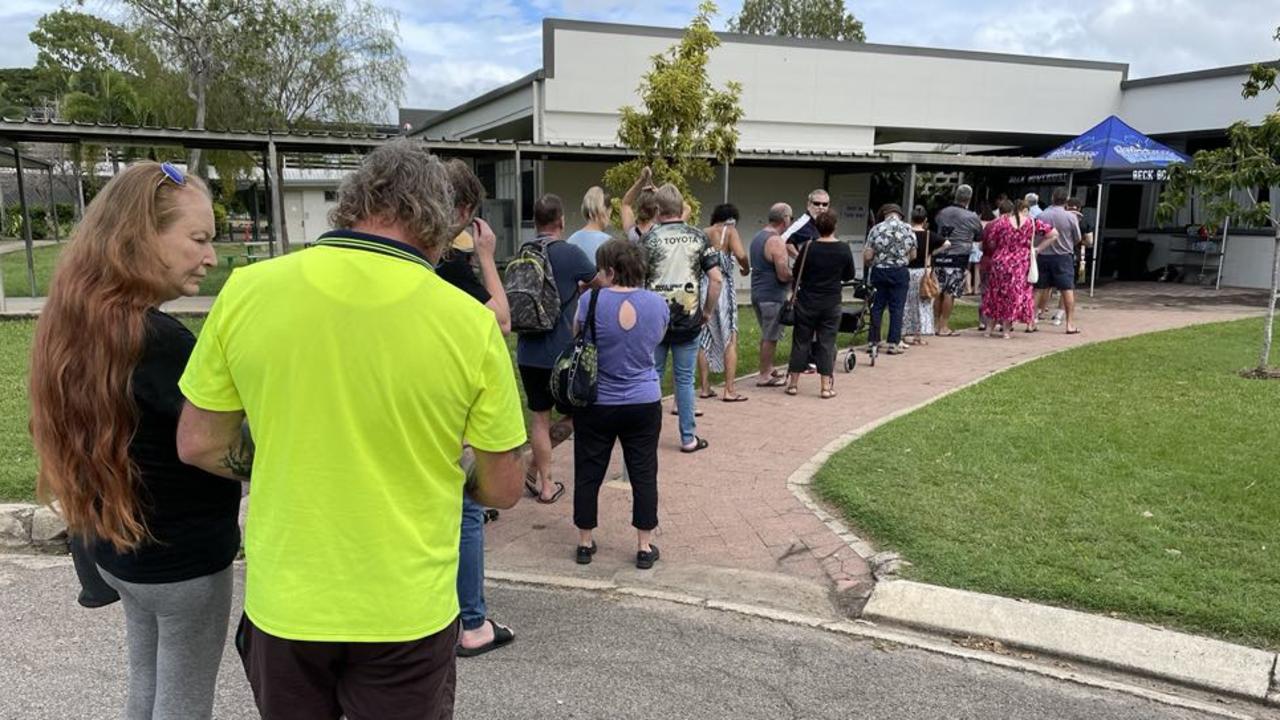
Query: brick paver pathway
[728, 508]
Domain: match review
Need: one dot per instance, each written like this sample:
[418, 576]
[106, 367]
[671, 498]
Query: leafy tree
[1226, 180]
[683, 121]
[320, 61]
[822, 19]
[200, 37]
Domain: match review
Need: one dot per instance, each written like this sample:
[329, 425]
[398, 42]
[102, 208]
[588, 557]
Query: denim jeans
[891, 284]
[471, 565]
[684, 357]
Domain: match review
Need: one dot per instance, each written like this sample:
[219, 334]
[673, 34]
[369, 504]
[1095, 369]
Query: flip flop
[1074, 332]
[502, 636]
[696, 413]
[773, 381]
[531, 484]
[736, 397]
[706, 396]
[554, 496]
[698, 444]
[949, 333]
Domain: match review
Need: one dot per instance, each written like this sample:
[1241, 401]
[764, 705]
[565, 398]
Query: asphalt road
[576, 655]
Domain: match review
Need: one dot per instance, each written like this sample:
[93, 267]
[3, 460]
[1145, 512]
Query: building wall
[306, 213]
[509, 107]
[1191, 105]
[825, 97]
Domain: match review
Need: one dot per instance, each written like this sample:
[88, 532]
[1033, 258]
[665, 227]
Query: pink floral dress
[1007, 296]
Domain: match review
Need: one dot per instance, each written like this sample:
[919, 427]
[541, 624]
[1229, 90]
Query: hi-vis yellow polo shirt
[360, 372]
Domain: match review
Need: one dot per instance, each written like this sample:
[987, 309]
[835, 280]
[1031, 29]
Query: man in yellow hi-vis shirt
[361, 373]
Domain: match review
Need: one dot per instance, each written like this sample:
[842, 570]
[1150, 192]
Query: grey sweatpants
[176, 633]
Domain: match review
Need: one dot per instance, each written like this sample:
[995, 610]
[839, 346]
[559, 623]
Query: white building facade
[830, 114]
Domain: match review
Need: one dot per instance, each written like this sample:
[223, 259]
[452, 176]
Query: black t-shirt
[192, 515]
[456, 270]
[934, 241]
[827, 265]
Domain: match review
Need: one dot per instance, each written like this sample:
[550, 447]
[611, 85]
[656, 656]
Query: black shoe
[585, 553]
[645, 560]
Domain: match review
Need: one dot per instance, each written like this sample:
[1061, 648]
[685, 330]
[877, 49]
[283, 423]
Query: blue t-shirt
[626, 373]
[590, 241]
[570, 266]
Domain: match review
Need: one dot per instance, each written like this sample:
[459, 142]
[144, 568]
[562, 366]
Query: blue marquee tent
[1120, 153]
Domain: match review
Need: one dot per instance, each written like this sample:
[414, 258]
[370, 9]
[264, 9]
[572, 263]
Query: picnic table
[254, 250]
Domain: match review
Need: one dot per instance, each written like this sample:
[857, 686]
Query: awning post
[26, 221]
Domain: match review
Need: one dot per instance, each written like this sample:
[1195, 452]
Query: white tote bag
[1033, 270]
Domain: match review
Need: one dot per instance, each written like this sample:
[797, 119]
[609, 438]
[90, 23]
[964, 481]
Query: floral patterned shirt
[892, 242]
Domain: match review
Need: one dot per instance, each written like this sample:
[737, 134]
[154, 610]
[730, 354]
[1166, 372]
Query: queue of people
[368, 378]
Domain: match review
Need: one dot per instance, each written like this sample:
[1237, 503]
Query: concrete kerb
[1256, 674]
[867, 631]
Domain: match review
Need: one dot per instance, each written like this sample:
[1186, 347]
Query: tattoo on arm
[239, 457]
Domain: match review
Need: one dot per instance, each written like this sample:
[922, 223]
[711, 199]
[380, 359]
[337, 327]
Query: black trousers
[303, 680]
[595, 429]
[814, 337]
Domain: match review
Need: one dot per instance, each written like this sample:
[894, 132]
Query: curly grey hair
[400, 183]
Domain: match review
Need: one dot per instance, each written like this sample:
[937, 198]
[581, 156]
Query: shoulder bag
[788, 314]
[929, 288]
[573, 380]
[1033, 270]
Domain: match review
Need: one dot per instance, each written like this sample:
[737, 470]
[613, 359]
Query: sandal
[502, 636]
[736, 397]
[792, 389]
[827, 394]
[706, 395]
[554, 496]
[698, 444]
[773, 381]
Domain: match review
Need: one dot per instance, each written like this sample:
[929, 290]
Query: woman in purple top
[629, 323]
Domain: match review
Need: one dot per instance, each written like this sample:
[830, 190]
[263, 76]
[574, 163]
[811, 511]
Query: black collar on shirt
[354, 240]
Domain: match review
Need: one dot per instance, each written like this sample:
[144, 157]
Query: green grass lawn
[1134, 477]
[14, 267]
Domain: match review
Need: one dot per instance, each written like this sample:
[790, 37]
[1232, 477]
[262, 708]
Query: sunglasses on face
[815, 203]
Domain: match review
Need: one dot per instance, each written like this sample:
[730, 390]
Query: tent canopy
[1120, 153]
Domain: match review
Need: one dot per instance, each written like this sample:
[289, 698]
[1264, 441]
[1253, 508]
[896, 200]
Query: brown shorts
[302, 680]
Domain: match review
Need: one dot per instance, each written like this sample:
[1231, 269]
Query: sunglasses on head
[171, 172]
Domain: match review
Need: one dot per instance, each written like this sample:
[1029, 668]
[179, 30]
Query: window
[331, 196]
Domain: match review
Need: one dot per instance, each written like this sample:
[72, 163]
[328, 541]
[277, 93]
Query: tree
[321, 61]
[1226, 180]
[199, 36]
[683, 122]
[822, 19]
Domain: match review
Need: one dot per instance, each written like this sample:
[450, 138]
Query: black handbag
[573, 380]
[94, 591]
[788, 314]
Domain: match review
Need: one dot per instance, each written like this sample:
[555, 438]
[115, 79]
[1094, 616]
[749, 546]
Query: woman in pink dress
[1008, 297]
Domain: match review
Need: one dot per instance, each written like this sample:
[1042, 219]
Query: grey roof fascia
[1209, 74]
[484, 99]
[549, 25]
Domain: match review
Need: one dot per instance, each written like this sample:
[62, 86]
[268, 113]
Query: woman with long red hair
[104, 417]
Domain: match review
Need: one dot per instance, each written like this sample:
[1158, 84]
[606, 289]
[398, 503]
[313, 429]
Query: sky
[457, 50]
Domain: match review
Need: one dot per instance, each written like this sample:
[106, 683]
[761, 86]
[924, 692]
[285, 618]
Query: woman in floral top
[1008, 297]
[890, 247]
